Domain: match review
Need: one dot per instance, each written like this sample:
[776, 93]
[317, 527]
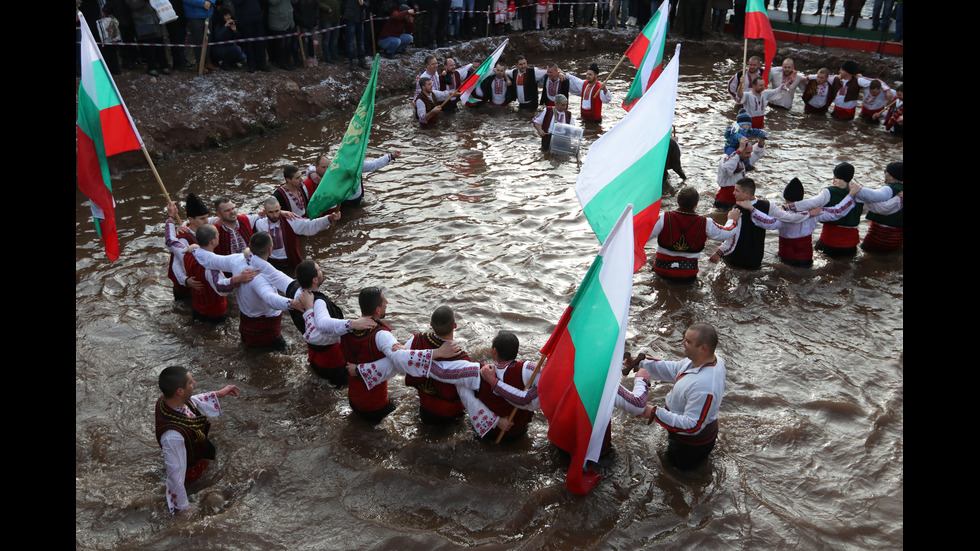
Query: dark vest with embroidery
[194, 430]
[530, 86]
[895, 220]
[224, 238]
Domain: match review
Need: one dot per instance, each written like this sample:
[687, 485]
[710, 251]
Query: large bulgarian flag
[647, 55]
[477, 76]
[626, 165]
[757, 26]
[105, 128]
[343, 175]
[585, 356]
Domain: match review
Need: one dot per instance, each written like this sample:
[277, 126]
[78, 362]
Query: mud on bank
[185, 112]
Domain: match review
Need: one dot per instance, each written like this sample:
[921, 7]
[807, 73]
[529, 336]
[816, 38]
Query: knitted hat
[594, 67]
[896, 169]
[844, 171]
[850, 66]
[195, 207]
[743, 117]
[793, 191]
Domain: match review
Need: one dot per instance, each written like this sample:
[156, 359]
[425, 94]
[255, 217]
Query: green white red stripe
[105, 128]
[579, 382]
[343, 174]
[757, 26]
[647, 55]
[626, 165]
[477, 76]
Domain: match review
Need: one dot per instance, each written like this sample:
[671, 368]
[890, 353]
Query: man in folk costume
[323, 163]
[498, 90]
[451, 79]
[731, 169]
[894, 115]
[886, 212]
[438, 401]
[292, 195]
[784, 82]
[875, 99]
[681, 235]
[846, 88]
[526, 79]
[234, 229]
[593, 93]
[817, 93]
[259, 303]
[322, 324]
[796, 229]
[840, 237]
[746, 248]
[177, 240]
[182, 429]
[209, 302]
[431, 71]
[556, 84]
[426, 102]
[755, 98]
[286, 254]
[736, 83]
[546, 120]
[690, 410]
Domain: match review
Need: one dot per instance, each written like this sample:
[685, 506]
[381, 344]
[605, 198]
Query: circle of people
[251, 254]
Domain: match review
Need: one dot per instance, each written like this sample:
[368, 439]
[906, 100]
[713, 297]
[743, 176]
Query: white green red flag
[578, 384]
[343, 175]
[105, 128]
[757, 26]
[647, 55]
[479, 74]
[626, 165]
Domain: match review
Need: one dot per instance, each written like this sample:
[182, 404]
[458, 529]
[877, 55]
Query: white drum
[566, 139]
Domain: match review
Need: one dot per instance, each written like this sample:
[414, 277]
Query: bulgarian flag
[585, 356]
[105, 128]
[476, 77]
[343, 175]
[757, 26]
[647, 54]
[626, 165]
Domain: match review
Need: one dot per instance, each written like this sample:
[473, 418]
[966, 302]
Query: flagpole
[537, 369]
[609, 76]
[159, 181]
[745, 68]
[204, 46]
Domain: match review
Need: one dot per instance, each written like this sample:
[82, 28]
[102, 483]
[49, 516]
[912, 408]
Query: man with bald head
[286, 254]
[785, 83]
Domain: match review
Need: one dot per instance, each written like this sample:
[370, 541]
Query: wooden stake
[204, 46]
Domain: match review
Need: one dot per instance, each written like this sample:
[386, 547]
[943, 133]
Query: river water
[474, 215]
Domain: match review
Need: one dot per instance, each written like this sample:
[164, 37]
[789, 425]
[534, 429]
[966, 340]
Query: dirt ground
[185, 112]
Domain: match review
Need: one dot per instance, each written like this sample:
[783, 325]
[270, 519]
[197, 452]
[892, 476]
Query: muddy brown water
[810, 453]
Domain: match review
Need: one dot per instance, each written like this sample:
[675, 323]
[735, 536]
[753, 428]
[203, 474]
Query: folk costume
[746, 248]
[681, 237]
[548, 118]
[322, 327]
[438, 401]
[730, 170]
[183, 438]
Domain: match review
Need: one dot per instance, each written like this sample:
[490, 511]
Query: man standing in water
[182, 429]
[546, 120]
[690, 413]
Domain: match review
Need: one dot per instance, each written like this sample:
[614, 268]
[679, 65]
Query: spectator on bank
[149, 30]
[226, 56]
[329, 24]
[396, 35]
[353, 13]
[198, 12]
[285, 49]
[248, 19]
[305, 16]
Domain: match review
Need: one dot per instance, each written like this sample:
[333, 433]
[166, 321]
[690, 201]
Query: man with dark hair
[322, 323]
[732, 168]
[235, 229]
[690, 414]
[681, 235]
[182, 429]
[209, 303]
[746, 248]
[371, 403]
[426, 101]
[499, 89]
[592, 92]
[259, 304]
[839, 237]
[292, 195]
[502, 388]
[177, 240]
[525, 80]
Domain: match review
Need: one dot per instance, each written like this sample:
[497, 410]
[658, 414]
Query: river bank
[184, 112]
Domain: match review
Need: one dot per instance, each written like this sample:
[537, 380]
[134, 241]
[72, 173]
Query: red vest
[359, 347]
[591, 91]
[435, 396]
[513, 376]
[192, 240]
[289, 241]
[683, 232]
[206, 301]
[224, 238]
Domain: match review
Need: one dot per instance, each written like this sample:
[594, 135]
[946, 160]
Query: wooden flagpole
[537, 369]
[159, 181]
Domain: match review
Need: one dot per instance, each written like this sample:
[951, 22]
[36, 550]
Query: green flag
[344, 173]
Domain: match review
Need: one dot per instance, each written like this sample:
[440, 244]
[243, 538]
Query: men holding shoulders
[556, 84]
[234, 229]
[197, 215]
[736, 83]
[690, 410]
[754, 99]
[438, 401]
[544, 123]
[681, 235]
[885, 211]
[498, 90]
[875, 100]
[731, 169]
[817, 93]
[182, 429]
[840, 237]
[322, 164]
[292, 195]
[502, 388]
[209, 303]
[286, 254]
[451, 79]
[431, 72]
[845, 89]
[746, 248]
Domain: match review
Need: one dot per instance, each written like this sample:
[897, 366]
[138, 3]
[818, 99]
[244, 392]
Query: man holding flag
[691, 411]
